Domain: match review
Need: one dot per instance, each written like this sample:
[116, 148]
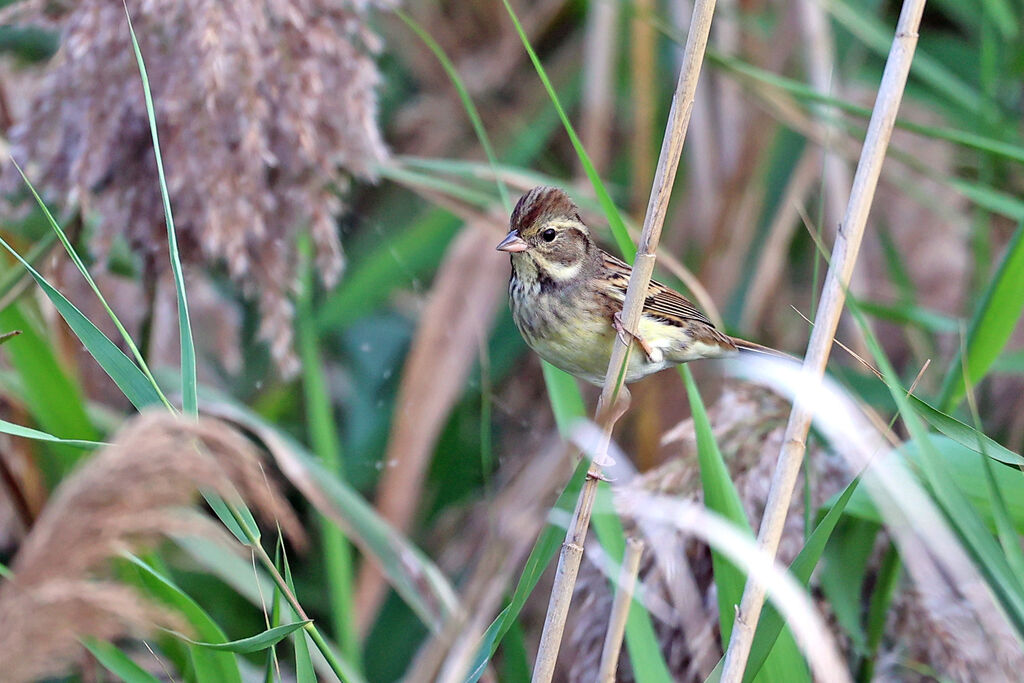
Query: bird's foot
[653, 355]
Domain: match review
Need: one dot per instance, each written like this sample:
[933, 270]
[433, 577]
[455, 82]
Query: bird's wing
[661, 300]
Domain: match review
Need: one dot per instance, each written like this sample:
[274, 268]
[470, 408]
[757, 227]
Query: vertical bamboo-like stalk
[668, 162]
[620, 611]
[844, 257]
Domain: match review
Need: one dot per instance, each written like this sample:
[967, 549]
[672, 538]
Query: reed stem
[837, 280]
[643, 266]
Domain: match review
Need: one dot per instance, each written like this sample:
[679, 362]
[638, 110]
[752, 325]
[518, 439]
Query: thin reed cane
[844, 257]
[620, 611]
[643, 266]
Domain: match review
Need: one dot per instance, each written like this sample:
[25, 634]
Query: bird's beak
[512, 243]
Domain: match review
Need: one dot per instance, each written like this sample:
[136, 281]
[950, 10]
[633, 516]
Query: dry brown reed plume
[125, 498]
[265, 110]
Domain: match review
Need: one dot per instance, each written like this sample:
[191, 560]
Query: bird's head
[547, 230]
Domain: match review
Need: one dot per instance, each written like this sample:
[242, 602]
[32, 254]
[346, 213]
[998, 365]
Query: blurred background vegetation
[336, 213]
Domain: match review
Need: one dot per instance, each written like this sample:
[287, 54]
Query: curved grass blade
[993, 323]
[128, 377]
[189, 400]
[209, 665]
[771, 623]
[611, 212]
[256, 643]
[544, 550]
[29, 433]
[467, 101]
[964, 434]
[76, 259]
[117, 662]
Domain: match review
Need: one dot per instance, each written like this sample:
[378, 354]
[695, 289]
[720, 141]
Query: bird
[566, 296]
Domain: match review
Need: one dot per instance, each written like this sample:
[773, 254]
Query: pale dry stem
[668, 162]
[620, 610]
[844, 258]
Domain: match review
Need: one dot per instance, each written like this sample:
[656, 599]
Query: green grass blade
[117, 662]
[128, 377]
[189, 399]
[964, 434]
[76, 259]
[564, 396]
[256, 643]
[304, 672]
[29, 433]
[326, 443]
[962, 515]
[993, 323]
[720, 496]
[611, 212]
[543, 552]
[51, 395]
[886, 582]
[467, 101]
[771, 623]
[209, 665]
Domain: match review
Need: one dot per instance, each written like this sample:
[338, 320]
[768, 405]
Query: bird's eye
[549, 234]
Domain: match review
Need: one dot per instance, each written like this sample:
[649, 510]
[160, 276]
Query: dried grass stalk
[844, 257]
[265, 109]
[643, 267]
[620, 611]
[125, 498]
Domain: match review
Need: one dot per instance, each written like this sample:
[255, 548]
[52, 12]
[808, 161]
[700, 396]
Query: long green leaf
[256, 643]
[29, 433]
[326, 442]
[993, 323]
[77, 260]
[611, 212]
[962, 515]
[209, 665]
[128, 377]
[117, 662]
[720, 496]
[771, 623]
[189, 400]
[964, 434]
[544, 550]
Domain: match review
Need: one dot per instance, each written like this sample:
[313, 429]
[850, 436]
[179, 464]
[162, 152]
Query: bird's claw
[625, 335]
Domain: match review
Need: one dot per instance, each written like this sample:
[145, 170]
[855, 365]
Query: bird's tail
[745, 345]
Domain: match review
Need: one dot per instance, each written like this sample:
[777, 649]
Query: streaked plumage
[565, 292]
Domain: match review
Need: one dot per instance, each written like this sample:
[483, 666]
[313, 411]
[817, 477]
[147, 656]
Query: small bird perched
[567, 293]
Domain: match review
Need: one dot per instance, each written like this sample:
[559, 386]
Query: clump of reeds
[125, 498]
[265, 110]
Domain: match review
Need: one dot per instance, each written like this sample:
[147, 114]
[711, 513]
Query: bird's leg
[653, 355]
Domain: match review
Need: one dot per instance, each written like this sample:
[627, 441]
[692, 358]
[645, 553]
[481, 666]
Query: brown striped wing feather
[662, 301]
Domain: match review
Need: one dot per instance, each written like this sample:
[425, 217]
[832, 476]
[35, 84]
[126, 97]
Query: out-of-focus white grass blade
[934, 556]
